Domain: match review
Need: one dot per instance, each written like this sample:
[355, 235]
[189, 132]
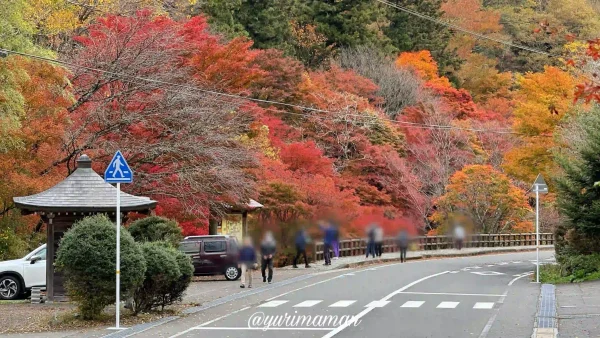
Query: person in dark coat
[371, 240]
[267, 251]
[247, 261]
[403, 241]
[301, 241]
[336, 241]
[329, 234]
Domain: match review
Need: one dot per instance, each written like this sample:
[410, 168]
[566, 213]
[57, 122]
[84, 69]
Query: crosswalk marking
[343, 303]
[413, 303]
[273, 303]
[483, 305]
[308, 303]
[447, 305]
[378, 303]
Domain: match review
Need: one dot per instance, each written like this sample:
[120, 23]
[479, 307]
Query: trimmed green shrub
[87, 255]
[177, 289]
[163, 275]
[154, 229]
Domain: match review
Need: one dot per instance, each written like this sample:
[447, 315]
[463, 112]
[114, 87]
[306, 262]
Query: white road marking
[377, 303]
[452, 294]
[517, 262]
[503, 263]
[304, 287]
[369, 309]
[348, 274]
[490, 265]
[454, 271]
[273, 303]
[413, 303]
[343, 303]
[241, 328]
[483, 305]
[208, 323]
[488, 273]
[308, 303]
[519, 277]
[447, 305]
[490, 322]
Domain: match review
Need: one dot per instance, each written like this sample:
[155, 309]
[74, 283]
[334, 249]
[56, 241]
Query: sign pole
[118, 171]
[537, 232]
[118, 271]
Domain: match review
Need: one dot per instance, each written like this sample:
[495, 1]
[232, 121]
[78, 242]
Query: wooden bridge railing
[356, 247]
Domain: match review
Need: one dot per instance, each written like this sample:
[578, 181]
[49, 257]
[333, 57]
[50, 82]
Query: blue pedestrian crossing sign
[118, 170]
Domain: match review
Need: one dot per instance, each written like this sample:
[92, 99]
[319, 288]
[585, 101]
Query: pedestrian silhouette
[117, 164]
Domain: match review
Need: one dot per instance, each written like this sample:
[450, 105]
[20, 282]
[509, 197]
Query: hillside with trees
[400, 112]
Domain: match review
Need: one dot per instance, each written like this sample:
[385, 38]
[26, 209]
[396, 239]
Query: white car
[20, 275]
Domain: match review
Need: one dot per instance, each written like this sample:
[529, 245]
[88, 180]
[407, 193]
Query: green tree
[266, 22]
[578, 195]
[87, 254]
[349, 23]
[156, 229]
[409, 33]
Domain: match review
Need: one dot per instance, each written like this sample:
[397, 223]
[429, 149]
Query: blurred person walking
[378, 241]
[459, 235]
[328, 238]
[336, 241]
[267, 251]
[301, 241]
[371, 239]
[403, 242]
[247, 261]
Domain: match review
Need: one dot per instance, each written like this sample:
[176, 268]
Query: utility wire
[464, 30]
[205, 92]
[481, 36]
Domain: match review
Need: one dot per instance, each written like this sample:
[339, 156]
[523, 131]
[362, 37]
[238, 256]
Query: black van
[213, 255]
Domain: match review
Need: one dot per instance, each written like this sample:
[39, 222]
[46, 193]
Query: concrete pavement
[488, 297]
[578, 310]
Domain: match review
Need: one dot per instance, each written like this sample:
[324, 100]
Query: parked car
[20, 275]
[213, 255]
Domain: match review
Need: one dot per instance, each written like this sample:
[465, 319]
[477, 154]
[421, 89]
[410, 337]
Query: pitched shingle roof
[83, 190]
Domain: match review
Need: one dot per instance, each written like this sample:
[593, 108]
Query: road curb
[430, 256]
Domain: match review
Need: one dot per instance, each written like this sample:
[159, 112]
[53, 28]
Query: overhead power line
[464, 30]
[190, 90]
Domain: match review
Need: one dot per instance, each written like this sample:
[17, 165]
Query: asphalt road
[482, 296]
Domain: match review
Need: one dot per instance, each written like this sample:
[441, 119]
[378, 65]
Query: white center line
[483, 305]
[308, 303]
[369, 309]
[447, 305]
[273, 303]
[343, 303]
[377, 303]
[452, 294]
[241, 328]
[208, 323]
[413, 304]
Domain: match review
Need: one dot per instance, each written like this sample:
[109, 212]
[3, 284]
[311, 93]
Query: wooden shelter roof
[83, 191]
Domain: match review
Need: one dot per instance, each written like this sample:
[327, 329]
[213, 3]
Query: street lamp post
[540, 187]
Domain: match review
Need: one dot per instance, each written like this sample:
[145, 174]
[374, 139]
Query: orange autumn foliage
[424, 65]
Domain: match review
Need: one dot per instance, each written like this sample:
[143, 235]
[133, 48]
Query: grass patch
[16, 301]
[555, 274]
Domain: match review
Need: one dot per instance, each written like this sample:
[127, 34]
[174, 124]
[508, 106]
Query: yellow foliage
[542, 100]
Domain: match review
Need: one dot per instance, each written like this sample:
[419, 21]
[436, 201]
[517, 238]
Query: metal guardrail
[356, 247]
